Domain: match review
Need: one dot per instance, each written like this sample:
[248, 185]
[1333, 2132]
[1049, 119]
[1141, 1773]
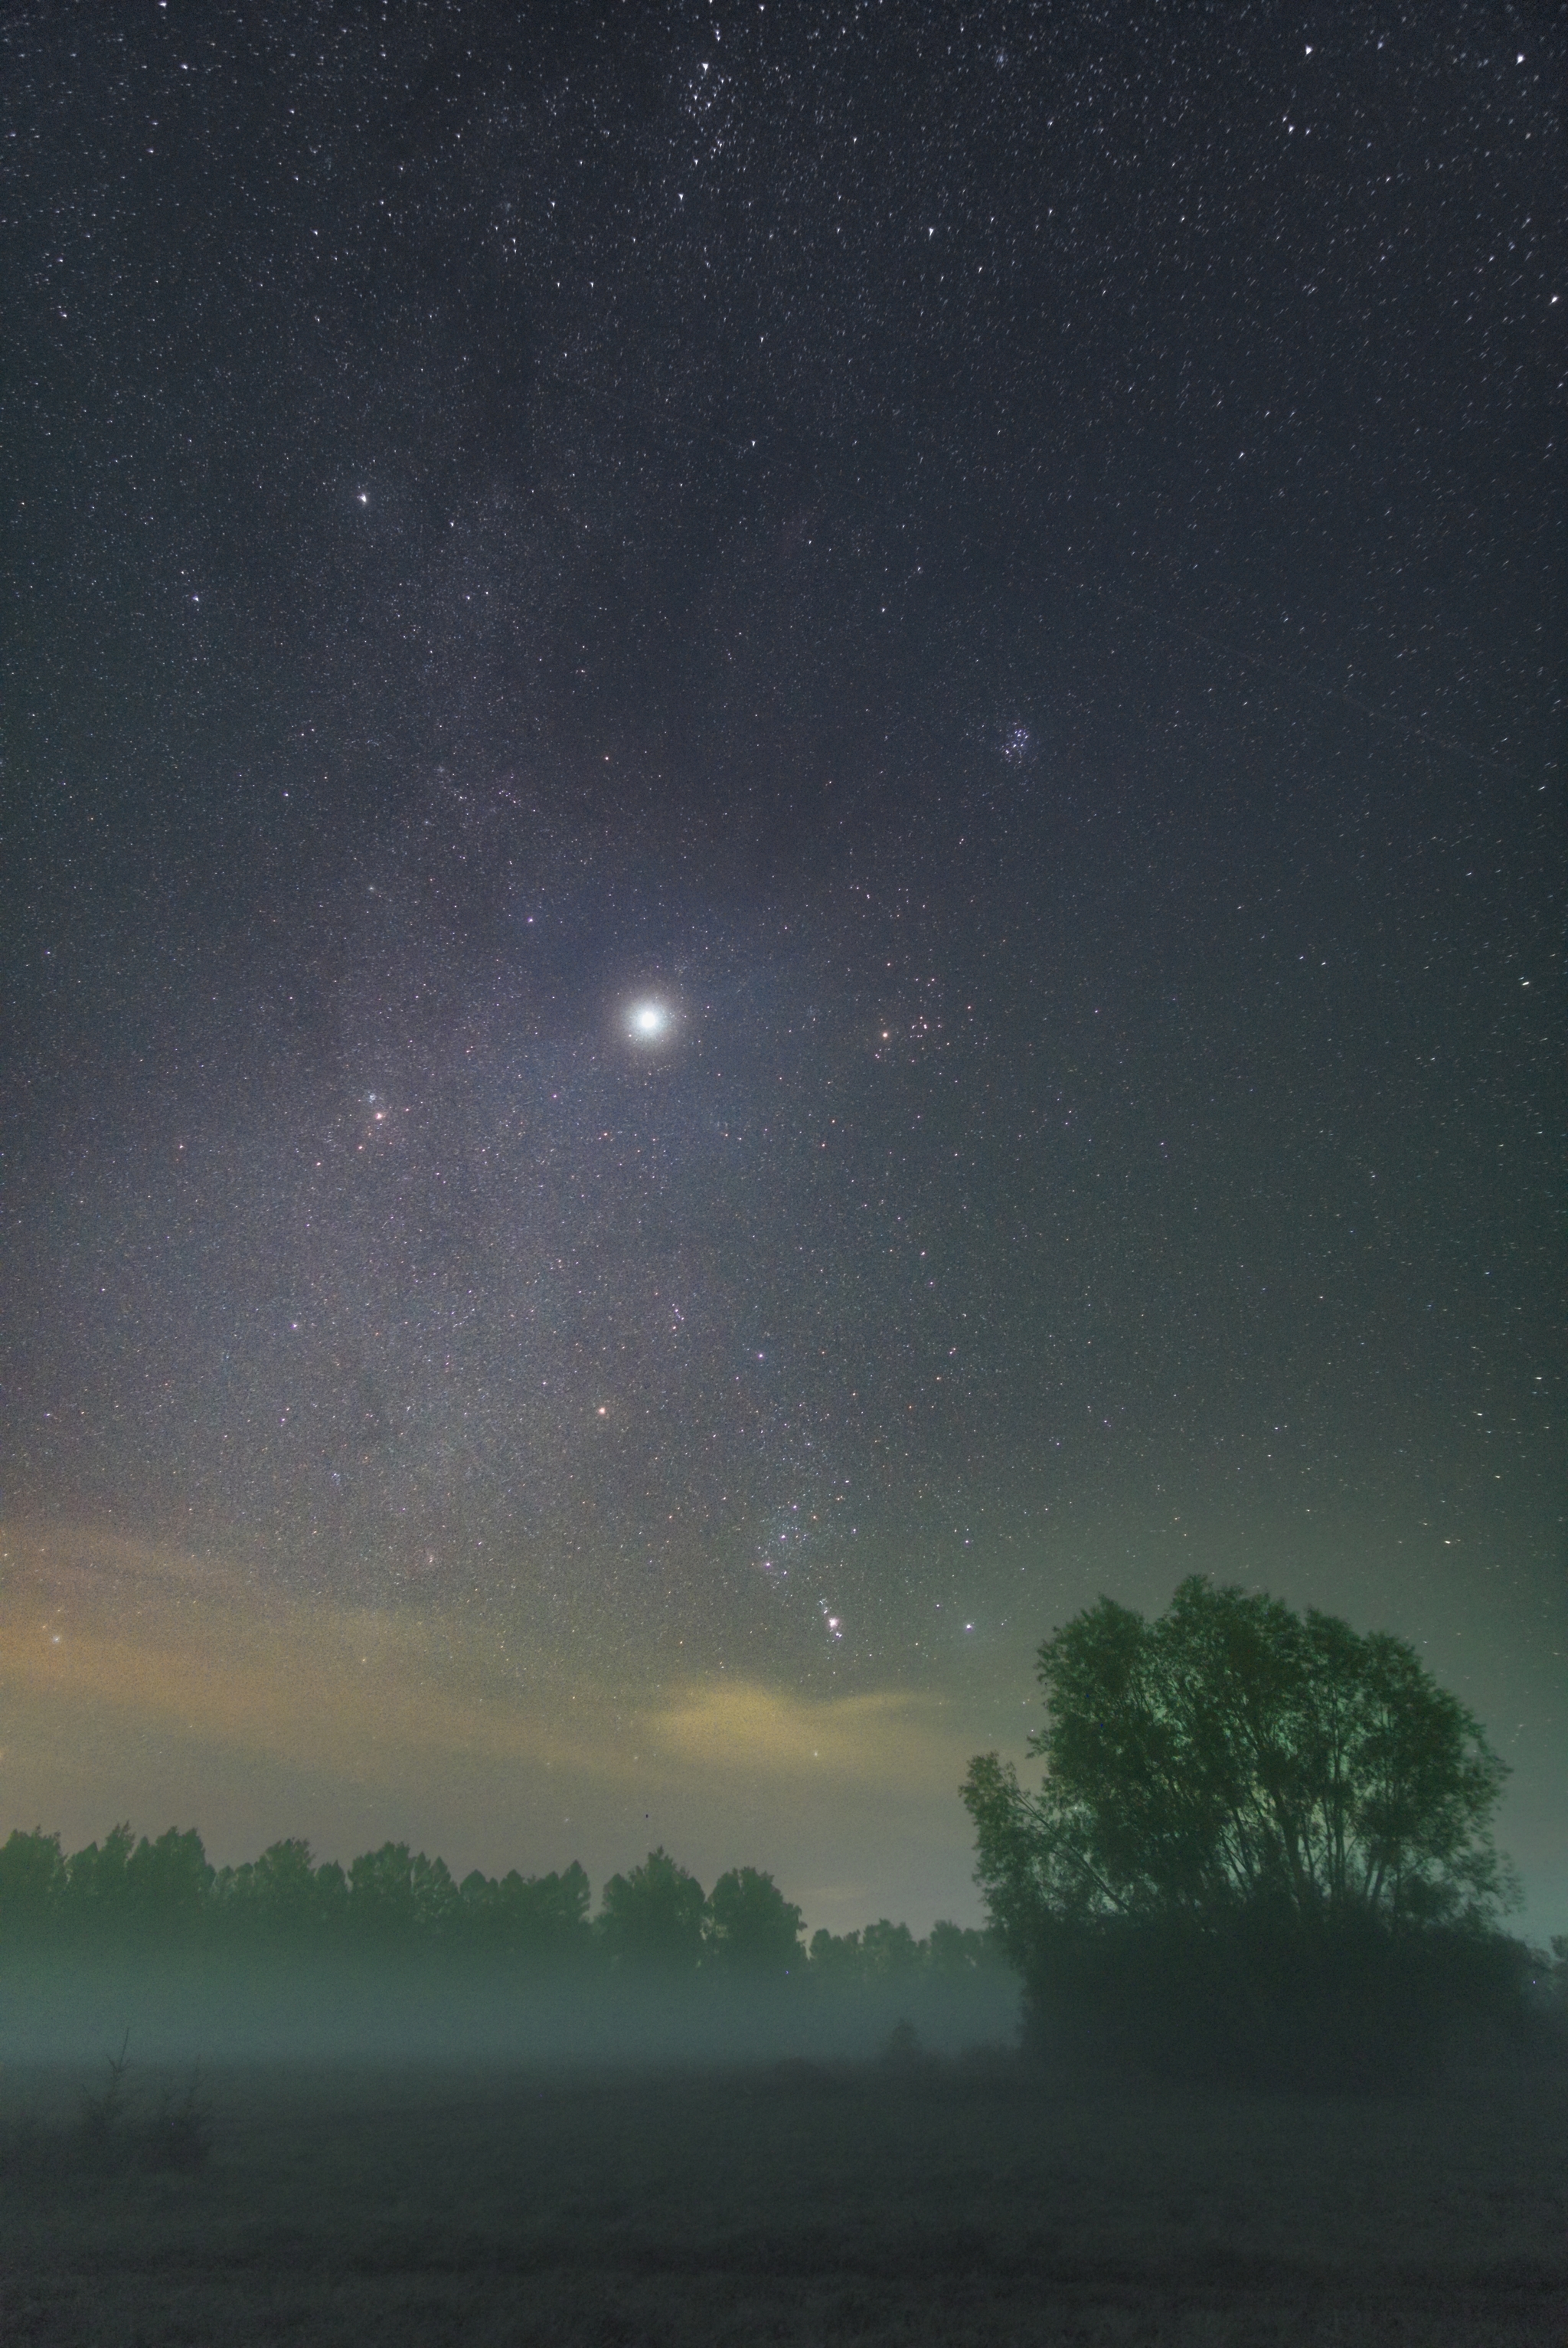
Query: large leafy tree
[752, 1928]
[168, 1882]
[280, 1898]
[392, 1890]
[542, 1918]
[1231, 1756]
[31, 1884]
[651, 1919]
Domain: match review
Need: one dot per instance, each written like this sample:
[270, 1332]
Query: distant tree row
[151, 1897]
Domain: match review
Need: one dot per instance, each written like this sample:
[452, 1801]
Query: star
[649, 1020]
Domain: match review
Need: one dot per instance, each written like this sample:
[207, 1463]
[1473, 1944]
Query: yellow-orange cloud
[191, 1647]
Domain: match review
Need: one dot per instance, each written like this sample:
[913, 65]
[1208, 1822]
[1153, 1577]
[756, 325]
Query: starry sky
[780, 883]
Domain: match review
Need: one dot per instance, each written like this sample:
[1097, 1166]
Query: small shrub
[112, 2138]
[104, 2128]
[903, 2050]
[180, 2135]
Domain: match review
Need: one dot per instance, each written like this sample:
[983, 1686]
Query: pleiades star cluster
[780, 883]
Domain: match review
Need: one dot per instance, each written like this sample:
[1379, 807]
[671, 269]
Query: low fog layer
[143, 1942]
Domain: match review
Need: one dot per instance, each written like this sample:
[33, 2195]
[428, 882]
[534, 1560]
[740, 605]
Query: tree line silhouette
[146, 1898]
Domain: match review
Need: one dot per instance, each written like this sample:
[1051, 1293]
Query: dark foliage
[753, 1930]
[1261, 1851]
[1341, 2006]
[651, 1919]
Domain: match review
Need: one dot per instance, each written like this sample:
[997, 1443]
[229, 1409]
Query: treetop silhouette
[1234, 1754]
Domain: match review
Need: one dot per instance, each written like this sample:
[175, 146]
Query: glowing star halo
[649, 1021]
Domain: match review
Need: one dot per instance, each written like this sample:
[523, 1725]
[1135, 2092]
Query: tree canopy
[752, 1928]
[653, 1918]
[1234, 1754]
[131, 1899]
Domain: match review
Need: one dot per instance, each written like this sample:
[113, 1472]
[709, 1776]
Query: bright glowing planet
[649, 1020]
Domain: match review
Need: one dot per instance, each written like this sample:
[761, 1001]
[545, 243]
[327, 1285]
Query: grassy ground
[955, 2204]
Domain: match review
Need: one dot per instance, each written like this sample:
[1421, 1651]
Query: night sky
[779, 882]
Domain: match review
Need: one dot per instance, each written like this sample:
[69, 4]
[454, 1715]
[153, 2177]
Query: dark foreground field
[962, 2204]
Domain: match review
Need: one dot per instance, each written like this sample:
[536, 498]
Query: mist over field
[427, 2011]
[142, 1941]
